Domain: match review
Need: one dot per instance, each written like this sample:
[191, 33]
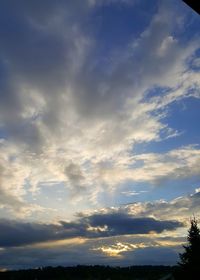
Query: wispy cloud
[70, 124]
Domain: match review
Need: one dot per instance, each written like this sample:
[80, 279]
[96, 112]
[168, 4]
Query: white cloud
[181, 208]
[67, 122]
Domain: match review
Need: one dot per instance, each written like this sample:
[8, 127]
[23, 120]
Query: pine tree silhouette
[190, 258]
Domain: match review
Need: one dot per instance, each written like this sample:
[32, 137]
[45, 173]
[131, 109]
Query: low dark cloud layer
[15, 233]
[68, 256]
[123, 223]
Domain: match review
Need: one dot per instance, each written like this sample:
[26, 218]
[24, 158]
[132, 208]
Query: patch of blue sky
[167, 190]
[132, 191]
[125, 193]
[183, 117]
[3, 133]
[187, 20]
[190, 22]
[155, 91]
[194, 61]
[47, 193]
[58, 199]
[116, 25]
[171, 189]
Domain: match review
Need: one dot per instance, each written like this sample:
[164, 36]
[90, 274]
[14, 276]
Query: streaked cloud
[98, 225]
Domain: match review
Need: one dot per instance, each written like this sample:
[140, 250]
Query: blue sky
[99, 131]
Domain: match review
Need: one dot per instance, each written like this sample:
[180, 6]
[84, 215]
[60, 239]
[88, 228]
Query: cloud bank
[20, 233]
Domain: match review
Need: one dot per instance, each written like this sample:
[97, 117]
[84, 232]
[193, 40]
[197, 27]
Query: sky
[99, 131]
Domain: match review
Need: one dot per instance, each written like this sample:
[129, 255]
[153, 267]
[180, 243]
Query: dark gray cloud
[153, 256]
[40, 43]
[123, 223]
[26, 257]
[16, 233]
[75, 176]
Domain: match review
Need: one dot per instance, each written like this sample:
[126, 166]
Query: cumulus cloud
[181, 208]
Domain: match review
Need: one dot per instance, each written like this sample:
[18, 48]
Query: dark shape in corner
[190, 258]
[194, 4]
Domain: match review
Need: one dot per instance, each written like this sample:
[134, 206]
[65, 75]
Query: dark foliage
[190, 258]
[90, 273]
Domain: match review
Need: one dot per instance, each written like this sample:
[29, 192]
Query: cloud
[68, 255]
[71, 253]
[19, 233]
[154, 255]
[132, 193]
[196, 62]
[153, 168]
[181, 208]
[122, 223]
[68, 117]
[122, 235]
[16, 233]
[73, 115]
[75, 176]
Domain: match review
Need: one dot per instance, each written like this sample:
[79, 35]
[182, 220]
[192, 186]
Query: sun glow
[116, 249]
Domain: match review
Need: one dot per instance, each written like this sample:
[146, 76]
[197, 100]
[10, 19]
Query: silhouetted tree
[190, 258]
